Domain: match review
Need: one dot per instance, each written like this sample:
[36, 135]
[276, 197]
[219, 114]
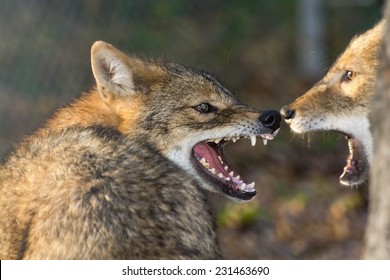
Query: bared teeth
[237, 179]
[204, 163]
[253, 140]
[247, 188]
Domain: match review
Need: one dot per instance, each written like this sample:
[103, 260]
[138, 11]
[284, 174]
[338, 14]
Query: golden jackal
[340, 102]
[121, 173]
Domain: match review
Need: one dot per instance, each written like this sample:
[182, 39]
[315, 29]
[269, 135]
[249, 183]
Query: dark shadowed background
[268, 52]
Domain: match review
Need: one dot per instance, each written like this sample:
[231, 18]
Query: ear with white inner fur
[112, 74]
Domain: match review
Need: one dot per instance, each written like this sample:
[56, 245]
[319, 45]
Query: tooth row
[265, 138]
[217, 140]
[244, 187]
[212, 170]
[220, 175]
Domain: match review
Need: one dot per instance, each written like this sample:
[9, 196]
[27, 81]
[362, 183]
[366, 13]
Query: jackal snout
[287, 113]
[271, 119]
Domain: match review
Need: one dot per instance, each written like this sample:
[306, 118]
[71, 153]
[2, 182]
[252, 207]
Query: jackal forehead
[183, 71]
[195, 81]
[220, 92]
[217, 83]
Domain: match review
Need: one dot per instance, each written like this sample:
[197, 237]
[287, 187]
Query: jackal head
[186, 114]
[340, 102]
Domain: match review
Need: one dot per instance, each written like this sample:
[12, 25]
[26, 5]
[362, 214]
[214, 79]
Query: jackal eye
[348, 76]
[205, 108]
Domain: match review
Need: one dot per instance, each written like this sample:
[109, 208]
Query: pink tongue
[202, 150]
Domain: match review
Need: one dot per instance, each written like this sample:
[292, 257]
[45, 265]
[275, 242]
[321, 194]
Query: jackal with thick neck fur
[123, 172]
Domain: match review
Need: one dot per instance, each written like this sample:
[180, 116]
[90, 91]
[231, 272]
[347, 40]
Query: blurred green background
[255, 48]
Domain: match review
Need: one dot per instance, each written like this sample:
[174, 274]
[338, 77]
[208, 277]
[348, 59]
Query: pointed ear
[112, 73]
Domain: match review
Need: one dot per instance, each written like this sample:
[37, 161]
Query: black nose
[287, 113]
[271, 119]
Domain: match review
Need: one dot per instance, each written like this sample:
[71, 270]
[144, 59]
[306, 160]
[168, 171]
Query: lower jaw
[352, 180]
[214, 185]
[357, 166]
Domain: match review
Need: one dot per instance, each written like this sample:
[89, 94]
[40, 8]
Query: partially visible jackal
[341, 102]
[122, 172]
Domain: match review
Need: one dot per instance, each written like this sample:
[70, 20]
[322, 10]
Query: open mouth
[356, 168]
[212, 165]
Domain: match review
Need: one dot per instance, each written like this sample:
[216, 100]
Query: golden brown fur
[340, 102]
[115, 175]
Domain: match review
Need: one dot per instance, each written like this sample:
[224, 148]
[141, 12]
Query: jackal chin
[211, 166]
[357, 163]
[357, 132]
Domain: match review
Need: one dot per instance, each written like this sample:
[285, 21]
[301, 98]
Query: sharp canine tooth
[212, 170]
[251, 185]
[265, 141]
[253, 140]
[225, 167]
[220, 175]
[242, 186]
[231, 174]
[237, 177]
[204, 162]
